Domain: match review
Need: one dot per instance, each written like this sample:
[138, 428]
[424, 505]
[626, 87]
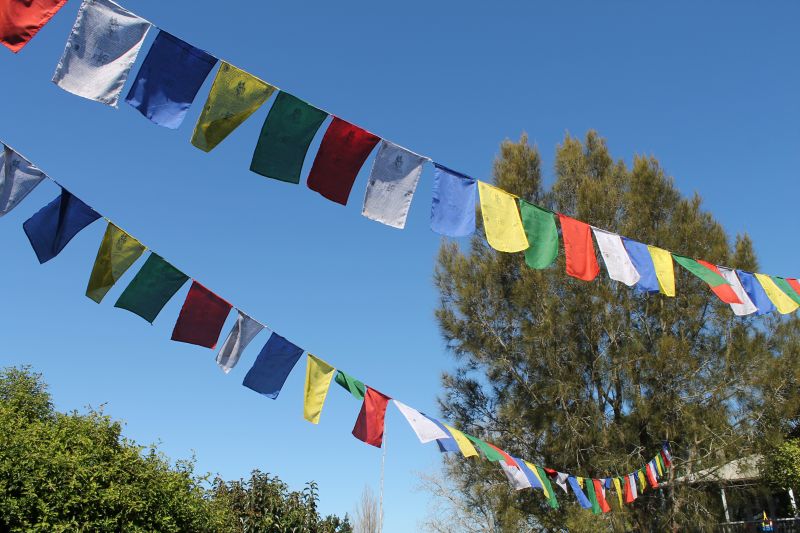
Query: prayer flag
[100, 52]
[578, 248]
[51, 228]
[662, 261]
[643, 263]
[618, 263]
[488, 452]
[755, 292]
[504, 456]
[659, 469]
[152, 287]
[530, 473]
[786, 287]
[576, 489]
[651, 475]
[425, 429]
[711, 275]
[20, 20]
[369, 424]
[285, 136]
[516, 477]
[118, 251]
[542, 235]
[782, 302]
[463, 442]
[561, 481]
[351, 385]
[631, 489]
[18, 177]
[747, 306]
[447, 444]
[169, 79]
[273, 365]
[667, 456]
[501, 221]
[551, 494]
[341, 154]
[318, 381]
[590, 492]
[243, 331]
[453, 204]
[618, 490]
[600, 494]
[201, 318]
[392, 182]
[794, 284]
[642, 482]
[234, 96]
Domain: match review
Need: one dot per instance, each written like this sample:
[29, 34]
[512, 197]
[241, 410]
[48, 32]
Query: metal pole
[383, 466]
[724, 504]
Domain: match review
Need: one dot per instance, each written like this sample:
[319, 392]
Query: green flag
[785, 287]
[540, 228]
[151, 288]
[707, 275]
[118, 251]
[490, 453]
[589, 484]
[288, 130]
[351, 384]
[551, 494]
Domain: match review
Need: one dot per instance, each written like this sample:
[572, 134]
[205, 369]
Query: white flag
[392, 182]
[18, 177]
[561, 480]
[425, 429]
[746, 307]
[244, 330]
[515, 476]
[100, 52]
[618, 262]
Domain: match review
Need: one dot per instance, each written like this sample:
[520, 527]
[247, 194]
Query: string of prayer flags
[711, 275]
[642, 261]
[779, 299]
[391, 185]
[21, 20]
[755, 292]
[453, 203]
[100, 51]
[784, 285]
[351, 385]
[273, 365]
[341, 155]
[542, 235]
[747, 306]
[244, 330]
[153, 286]
[583, 501]
[578, 248]
[618, 263]
[169, 79]
[18, 177]
[53, 226]
[665, 273]
[201, 318]
[318, 381]
[501, 219]
[370, 422]
[425, 429]
[234, 96]
[117, 253]
[285, 136]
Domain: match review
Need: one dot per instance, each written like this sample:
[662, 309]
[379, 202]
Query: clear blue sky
[710, 88]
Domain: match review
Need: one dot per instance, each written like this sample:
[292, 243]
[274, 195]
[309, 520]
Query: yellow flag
[618, 489]
[535, 471]
[318, 380]
[580, 481]
[642, 482]
[234, 96]
[501, 220]
[782, 302]
[118, 251]
[665, 272]
[658, 467]
[463, 442]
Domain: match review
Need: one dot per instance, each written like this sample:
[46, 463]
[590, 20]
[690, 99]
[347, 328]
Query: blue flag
[643, 262]
[532, 478]
[272, 366]
[756, 293]
[169, 79]
[453, 206]
[445, 445]
[54, 225]
[576, 488]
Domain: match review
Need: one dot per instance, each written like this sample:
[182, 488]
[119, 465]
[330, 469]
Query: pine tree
[591, 377]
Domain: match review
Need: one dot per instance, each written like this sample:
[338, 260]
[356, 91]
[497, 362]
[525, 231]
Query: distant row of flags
[204, 314]
[105, 42]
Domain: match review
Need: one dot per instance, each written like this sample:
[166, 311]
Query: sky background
[709, 88]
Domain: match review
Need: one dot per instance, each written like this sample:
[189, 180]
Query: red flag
[202, 317]
[723, 292]
[667, 458]
[600, 494]
[794, 284]
[369, 425]
[343, 150]
[651, 478]
[20, 20]
[507, 459]
[578, 248]
[629, 498]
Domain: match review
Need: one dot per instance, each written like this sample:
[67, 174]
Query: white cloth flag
[392, 182]
[618, 262]
[244, 330]
[747, 306]
[18, 177]
[425, 429]
[561, 481]
[100, 52]
[515, 476]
